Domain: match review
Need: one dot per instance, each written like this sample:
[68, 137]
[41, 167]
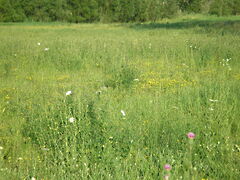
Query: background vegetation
[110, 10]
[137, 90]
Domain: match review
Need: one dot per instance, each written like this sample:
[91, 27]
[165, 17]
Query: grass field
[116, 101]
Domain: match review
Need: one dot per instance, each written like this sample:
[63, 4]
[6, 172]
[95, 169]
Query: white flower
[136, 80]
[224, 62]
[1, 148]
[45, 149]
[98, 92]
[104, 88]
[213, 100]
[39, 43]
[46, 49]
[211, 109]
[110, 138]
[72, 119]
[123, 113]
[33, 178]
[68, 93]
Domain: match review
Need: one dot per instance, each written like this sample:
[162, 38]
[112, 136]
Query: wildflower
[224, 62]
[211, 109]
[38, 43]
[46, 49]
[123, 113]
[166, 177]
[167, 167]
[191, 135]
[68, 93]
[33, 178]
[136, 80]
[45, 149]
[98, 92]
[212, 100]
[228, 59]
[110, 138]
[104, 88]
[1, 148]
[20, 158]
[71, 119]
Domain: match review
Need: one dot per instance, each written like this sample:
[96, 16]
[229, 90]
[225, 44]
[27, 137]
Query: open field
[136, 91]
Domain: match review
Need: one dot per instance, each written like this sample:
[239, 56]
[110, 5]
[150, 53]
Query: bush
[124, 77]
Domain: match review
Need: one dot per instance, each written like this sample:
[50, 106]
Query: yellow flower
[7, 97]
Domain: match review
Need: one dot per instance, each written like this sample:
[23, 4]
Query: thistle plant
[167, 168]
[191, 137]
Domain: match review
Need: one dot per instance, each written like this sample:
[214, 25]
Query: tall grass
[168, 79]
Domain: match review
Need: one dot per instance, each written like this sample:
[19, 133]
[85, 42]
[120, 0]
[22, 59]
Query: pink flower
[191, 135]
[167, 167]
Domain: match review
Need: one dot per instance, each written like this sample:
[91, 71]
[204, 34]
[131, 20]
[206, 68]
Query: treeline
[110, 10]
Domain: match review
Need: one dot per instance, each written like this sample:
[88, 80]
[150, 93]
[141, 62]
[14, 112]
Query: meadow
[116, 101]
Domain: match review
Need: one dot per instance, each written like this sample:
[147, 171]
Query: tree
[11, 11]
[190, 5]
[221, 7]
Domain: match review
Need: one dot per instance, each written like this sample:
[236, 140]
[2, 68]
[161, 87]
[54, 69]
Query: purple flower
[167, 167]
[191, 135]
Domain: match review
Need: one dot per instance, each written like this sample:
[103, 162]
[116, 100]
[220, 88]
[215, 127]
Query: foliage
[191, 5]
[109, 10]
[225, 7]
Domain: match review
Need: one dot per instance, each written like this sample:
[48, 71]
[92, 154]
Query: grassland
[136, 91]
